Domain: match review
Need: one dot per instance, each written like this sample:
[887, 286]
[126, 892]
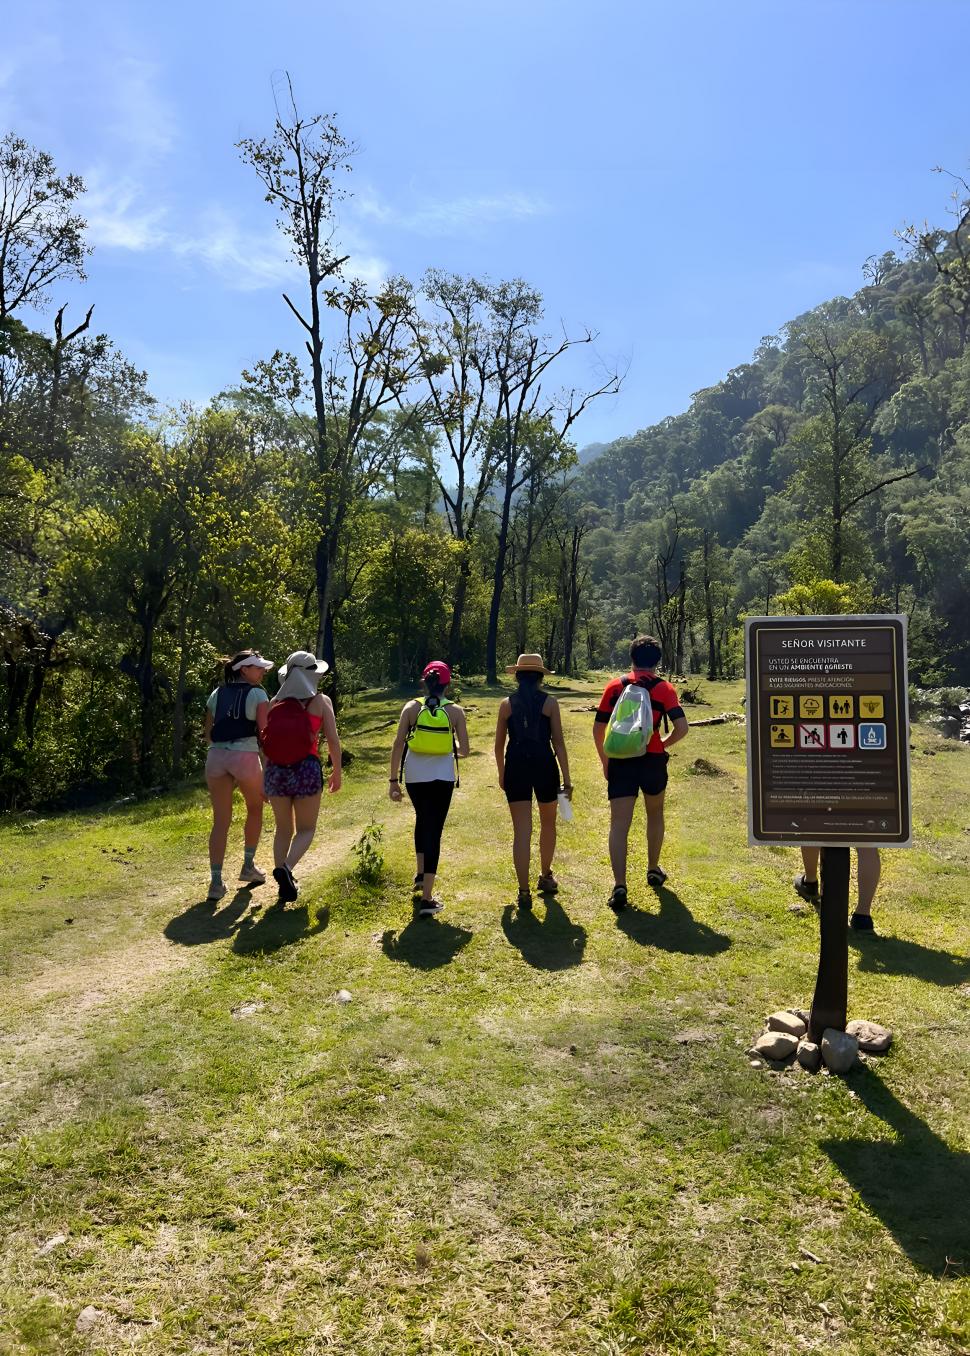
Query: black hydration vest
[229, 722]
[530, 732]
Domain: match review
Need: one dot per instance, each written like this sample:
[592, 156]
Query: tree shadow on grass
[279, 926]
[201, 923]
[553, 943]
[426, 943]
[674, 928]
[882, 955]
[916, 1184]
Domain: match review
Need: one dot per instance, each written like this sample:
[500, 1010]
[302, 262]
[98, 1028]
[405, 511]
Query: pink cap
[438, 669]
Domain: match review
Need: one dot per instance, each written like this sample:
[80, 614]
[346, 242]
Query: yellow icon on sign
[870, 708]
[841, 707]
[810, 707]
[783, 708]
[782, 736]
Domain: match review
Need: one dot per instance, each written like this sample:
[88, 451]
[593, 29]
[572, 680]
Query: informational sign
[828, 731]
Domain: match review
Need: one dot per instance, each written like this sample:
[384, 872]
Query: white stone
[839, 1050]
[808, 1055]
[787, 1022]
[51, 1244]
[775, 1045]
[871, 1036]
[87, 1318]
[344, 996]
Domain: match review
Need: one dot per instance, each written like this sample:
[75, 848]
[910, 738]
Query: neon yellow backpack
[431, 732]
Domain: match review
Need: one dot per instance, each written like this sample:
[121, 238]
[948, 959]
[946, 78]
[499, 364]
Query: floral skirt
[304, 778]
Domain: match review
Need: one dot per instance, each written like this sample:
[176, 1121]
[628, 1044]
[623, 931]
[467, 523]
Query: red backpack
[288, 734]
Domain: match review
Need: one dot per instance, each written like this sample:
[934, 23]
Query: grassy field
[524, 1135]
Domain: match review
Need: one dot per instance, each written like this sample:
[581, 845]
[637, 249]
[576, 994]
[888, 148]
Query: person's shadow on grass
[554, 943]
[882, 955]
[674, 928]
[279, 926]
[916, 1184]
[426, 943]
[201, 923]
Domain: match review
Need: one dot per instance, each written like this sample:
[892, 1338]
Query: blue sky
[682, 178]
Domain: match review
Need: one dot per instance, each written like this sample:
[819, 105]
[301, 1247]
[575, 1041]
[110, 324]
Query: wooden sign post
[828, 758]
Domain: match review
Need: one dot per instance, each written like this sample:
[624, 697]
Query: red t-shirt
[663, 698]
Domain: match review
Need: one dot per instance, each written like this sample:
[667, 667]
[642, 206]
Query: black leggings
[431, 801]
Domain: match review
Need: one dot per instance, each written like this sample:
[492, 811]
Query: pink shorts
[240, 764]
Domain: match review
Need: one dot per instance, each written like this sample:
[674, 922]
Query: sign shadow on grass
[882, 955]
[915, 1184]
[426, 943]
[674, 928]
[276, 928]
[200, 923]
[553, 943]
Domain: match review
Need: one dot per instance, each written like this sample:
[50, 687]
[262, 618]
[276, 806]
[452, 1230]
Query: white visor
[252, 661]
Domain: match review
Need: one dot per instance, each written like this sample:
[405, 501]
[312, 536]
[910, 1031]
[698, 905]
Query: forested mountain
[829, 473]
[406, 486]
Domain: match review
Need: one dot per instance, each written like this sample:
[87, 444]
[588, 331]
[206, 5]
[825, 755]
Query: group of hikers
[269, 749]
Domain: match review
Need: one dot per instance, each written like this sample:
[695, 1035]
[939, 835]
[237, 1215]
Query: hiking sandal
[656, 876]
[547, 885]
[525, 901]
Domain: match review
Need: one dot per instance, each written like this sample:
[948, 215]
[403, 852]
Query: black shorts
[523, 776]
[630, 776]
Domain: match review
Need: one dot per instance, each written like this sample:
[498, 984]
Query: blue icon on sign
[872, 736]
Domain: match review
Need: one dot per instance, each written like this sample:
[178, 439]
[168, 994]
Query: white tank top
[429, 767]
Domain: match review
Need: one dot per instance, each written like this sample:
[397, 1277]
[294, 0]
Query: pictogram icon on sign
[871, 708]
[782, 736]
[811, 736]
[841, 736]
[811, 707]
[782, 708]
[872, 736]
[841, 707]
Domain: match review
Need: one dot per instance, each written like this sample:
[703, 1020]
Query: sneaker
[618, 900]
[808, 889]
[284, 879]
[547, 885]
[862, 922]
[216, 890]
[429, 907]
[525, 901]
[656, 876]
[252, 875]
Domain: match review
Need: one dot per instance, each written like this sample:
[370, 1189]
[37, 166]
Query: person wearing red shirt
[627, 777]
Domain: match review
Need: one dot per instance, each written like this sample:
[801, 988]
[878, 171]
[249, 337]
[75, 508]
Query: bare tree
[41, 236]
[358, 373]
[529, 423]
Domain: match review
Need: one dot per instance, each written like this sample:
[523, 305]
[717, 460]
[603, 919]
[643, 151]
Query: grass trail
[524, 1135]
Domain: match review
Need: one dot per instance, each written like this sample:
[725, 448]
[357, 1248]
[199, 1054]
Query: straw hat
[528, 663]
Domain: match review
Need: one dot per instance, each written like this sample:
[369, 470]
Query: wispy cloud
[451, 216]
[140, 117]
[121, 216]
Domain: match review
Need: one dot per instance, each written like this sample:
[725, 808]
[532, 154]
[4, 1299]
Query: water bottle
[565, 807]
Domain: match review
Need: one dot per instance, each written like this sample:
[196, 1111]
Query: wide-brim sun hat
[301, 674]
[303, 659]
[528, 663]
